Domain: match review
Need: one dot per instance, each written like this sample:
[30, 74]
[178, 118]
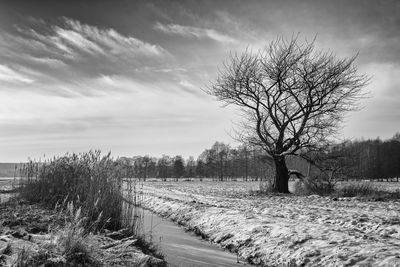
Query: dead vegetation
[31, 235]
[71, 211]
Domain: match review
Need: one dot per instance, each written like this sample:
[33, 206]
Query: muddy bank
[34, 236]
[286, 230]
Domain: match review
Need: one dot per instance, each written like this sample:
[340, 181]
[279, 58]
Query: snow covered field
[282, 230]
[6, 186]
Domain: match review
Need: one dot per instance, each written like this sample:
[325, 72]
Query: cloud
[71, 39]
[111, 40]
[9, 75]
[49, 43]
[77, 40]
[62, 55]
[186, 84]
[52, 62]
[193, 32]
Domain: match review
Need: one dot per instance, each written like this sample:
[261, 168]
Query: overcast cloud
[127, 76]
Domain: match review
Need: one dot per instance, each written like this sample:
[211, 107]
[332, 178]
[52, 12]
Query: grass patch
[93, 193]
[89, 180]
[314, 186]
[366, 190]
[266, 186]
[71, 240]
[149, 248]
[324, 187]
[360, 189]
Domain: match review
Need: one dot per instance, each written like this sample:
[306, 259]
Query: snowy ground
[282, 230]
[7, 184]
[31, 235]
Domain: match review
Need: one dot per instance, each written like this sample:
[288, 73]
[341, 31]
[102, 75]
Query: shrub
[266, 186]
[319, 185]
[299, 188]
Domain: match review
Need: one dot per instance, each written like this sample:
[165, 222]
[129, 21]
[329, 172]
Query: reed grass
[92, 181]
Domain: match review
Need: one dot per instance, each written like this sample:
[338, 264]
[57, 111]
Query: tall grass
[327, 187]
[67, 245]
[366, 190]
[132, 197]
[89, 180]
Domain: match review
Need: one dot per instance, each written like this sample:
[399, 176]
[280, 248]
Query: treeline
[371, 159]
[220, 162]
[352, 160]
[360, 159]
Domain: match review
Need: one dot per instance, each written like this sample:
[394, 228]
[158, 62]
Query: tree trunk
[281, 184]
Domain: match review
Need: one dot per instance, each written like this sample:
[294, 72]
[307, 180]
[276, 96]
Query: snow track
[283, 230]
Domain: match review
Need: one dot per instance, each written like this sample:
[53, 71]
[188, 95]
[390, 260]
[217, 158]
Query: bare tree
[292, 96]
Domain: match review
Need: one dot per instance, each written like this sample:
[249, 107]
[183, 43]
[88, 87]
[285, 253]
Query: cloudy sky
[127, 76]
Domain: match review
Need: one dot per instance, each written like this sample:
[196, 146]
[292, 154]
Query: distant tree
[190, 167]
[209, 158]
[163, 167]
[146, 162]
[396, 137]
[221, 151]
[233, 163]
[200, 168]
[152, 167]
[126, 166]
[361, 159]
[293, 97]
[138, 167]
[179, 167]
[244, 156]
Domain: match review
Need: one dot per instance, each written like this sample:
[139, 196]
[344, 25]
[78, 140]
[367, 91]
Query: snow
[34, 235]
[279, 229]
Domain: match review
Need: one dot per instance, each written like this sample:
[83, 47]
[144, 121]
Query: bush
[319, 185]
[299, 188]
[266, 186]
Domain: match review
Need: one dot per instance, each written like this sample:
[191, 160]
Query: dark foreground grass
[37, 236]
[92, 192]
[68, 247]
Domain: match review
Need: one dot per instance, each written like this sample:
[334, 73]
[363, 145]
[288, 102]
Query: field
[6, 188]
[279, 229]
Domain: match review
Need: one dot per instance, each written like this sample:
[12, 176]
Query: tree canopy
[293, 97]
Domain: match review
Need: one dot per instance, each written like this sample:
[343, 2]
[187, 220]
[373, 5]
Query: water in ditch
[182, 248]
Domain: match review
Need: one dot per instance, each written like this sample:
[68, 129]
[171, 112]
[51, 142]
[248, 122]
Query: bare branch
[293, 97]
